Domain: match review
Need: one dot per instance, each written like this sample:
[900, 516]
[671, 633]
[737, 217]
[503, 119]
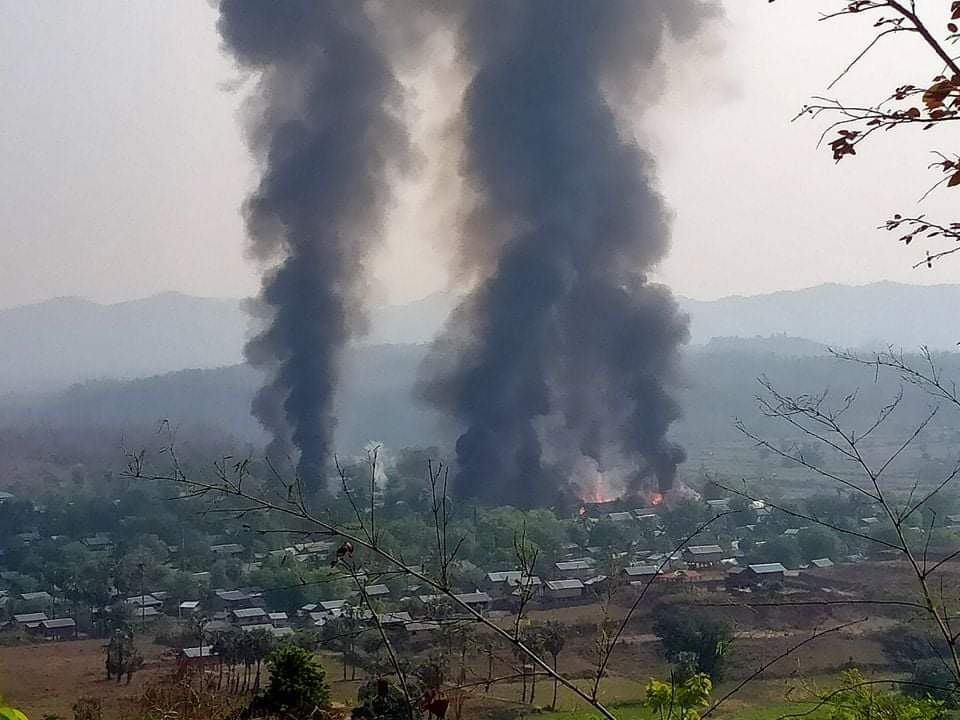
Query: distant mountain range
[880, 314]
[50, 345]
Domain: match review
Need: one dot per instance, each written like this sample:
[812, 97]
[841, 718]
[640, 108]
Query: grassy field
[47, 678]
[760, 700]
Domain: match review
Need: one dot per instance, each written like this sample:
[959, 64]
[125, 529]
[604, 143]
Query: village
[581, 576]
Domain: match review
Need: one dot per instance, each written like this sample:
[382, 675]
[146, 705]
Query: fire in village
[497, 359]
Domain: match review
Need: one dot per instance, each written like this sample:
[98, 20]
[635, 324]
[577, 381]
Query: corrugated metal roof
[249, 612]
[57, 623]
[564, 584]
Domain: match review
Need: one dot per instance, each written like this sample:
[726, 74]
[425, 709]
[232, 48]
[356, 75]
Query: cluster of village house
[575, 580]
[578, 578]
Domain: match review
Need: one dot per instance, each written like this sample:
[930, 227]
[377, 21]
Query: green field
[760, 700]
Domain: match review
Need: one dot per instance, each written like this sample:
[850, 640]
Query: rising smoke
[326, 133]
[563, 332]
[564, 351]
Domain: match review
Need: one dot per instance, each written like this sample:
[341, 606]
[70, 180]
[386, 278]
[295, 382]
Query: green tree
[553, 637]
[683, 701]
[856, 699]
[932, 678]
[261, 644]
[684, 517]
[610, 535]
[817, 542]
[380, 699]
[297, 684]
[782, 549]
[683, 631]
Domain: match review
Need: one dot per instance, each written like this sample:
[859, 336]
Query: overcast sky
[123, 166]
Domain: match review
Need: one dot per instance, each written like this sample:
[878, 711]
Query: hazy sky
[123, 166]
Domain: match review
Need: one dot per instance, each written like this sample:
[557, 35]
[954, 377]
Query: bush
[296, 682]
[692, 640]
[909, 644]
[380, 699]
[934, 680]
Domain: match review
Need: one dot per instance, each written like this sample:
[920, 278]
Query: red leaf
[935, 94]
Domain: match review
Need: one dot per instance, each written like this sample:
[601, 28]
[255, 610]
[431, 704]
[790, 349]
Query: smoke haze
[326, 133]
[564, 351]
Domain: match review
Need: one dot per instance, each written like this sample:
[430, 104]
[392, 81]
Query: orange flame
[656, 499]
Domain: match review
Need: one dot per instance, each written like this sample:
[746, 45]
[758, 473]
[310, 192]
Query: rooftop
[227, 549]
[58, 623]
[333, 604]
[249, 612]
[564, 584]
[504, 576]
[641, 570]
[574, 565]
[30, 617]
[704, 549]
[767, 568]
[195, 652]
[148, 600]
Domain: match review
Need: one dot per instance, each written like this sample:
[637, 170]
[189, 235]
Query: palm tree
[533, 639]
[261, 645]
[553, 638]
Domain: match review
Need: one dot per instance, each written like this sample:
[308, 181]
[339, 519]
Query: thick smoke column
[326, 134]
[563, 330]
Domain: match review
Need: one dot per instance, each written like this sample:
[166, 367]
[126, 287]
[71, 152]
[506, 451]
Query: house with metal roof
[702, 555]
[249, 616]
[478, 600]
[567, 589]
[330, 605]
[233, 599]
[636, 572]
[227, 549]
[198, 652]
[189, 607]
[376, 591]
[59, 628]
[30, 621]
[36, 598]
[580, 569]
[763, 572]
[138, 601]
[279, 619]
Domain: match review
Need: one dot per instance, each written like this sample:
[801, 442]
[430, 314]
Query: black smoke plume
[564, 350]
[325, 132]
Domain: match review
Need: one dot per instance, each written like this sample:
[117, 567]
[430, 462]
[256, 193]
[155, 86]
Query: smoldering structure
[564, 351]
[326, 133]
